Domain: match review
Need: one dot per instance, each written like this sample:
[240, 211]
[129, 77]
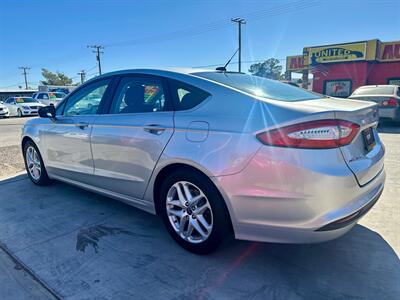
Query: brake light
[321, 134]
[390, 102]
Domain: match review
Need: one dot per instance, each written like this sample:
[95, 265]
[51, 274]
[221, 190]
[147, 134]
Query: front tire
[34, 164]
[19, 112]
[193, 211]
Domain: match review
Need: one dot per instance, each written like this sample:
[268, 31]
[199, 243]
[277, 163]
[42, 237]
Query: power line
[24, 73]
[236, 62]
[216, 25]
[240, 22]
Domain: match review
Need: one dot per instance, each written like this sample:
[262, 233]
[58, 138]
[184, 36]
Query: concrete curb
[13, 178]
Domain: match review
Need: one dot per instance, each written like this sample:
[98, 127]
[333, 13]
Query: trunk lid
[377, 98]
[365, 162]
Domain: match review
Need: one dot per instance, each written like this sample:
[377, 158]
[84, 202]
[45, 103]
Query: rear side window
[186, 96]
[139, 95]
[259, 86]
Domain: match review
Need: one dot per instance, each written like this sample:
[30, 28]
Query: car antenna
[223, 69]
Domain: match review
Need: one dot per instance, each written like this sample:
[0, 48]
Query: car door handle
[82, 125]
[154, 129]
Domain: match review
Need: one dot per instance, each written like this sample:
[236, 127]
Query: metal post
[239, 21]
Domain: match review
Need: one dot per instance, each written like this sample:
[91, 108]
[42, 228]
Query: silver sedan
[215, 153]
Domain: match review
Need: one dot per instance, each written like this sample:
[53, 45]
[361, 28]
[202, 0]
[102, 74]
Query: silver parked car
[215, 152]
[387, 97]
[49, 98]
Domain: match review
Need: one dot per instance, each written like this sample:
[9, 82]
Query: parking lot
[62, 242]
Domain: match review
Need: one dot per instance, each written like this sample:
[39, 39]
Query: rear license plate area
[369, 138]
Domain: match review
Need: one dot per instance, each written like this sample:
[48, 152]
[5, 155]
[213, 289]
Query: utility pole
[24, 73]
[239, 21]
[83, 76]
[98, 52]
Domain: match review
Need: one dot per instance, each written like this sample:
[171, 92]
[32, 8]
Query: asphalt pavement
[69, 243]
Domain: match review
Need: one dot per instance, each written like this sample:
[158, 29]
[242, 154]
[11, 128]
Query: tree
[269, 69]
[57, 78]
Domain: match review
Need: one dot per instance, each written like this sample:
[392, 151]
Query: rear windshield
[259, 86]
[375, 90]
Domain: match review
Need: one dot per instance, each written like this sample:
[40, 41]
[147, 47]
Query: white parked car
[49, 98]
[22, 106]
[3, 110]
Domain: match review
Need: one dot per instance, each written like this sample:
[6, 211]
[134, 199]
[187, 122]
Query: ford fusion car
[215, 153]
[22, 106]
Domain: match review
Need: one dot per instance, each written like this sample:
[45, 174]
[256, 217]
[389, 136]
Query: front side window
[186, 96]
[86, 100]
[259, 86]
[10, 101]
[139, 95]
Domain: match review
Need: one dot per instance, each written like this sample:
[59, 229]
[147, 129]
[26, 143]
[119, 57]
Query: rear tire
[206, 218]
[34, 165]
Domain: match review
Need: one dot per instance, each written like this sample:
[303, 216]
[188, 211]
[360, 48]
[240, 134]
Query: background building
[4, 94]
[341, 68]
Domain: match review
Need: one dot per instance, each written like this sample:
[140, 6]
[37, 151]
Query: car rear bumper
[296, 196]
[389, 113]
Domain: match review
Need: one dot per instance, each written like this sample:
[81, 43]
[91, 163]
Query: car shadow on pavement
[84, 245]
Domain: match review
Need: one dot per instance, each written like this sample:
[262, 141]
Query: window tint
[138, 95]
[259, 86]
[10, 100]
[375, 90]
[186, 96]
[24, 100]
[86, 100]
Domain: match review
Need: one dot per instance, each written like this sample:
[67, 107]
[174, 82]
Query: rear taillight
[391, 102]
[319, 134]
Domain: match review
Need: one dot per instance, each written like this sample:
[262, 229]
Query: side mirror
[47, 112]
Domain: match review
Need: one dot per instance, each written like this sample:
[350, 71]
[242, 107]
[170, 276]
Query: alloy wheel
[189, 212]
[33, 163]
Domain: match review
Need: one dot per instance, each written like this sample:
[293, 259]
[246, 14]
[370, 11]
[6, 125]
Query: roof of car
[186, 71]
[378, 85]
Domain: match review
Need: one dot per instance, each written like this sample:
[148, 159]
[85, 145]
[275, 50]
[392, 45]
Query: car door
[128, 141]
[68, 151]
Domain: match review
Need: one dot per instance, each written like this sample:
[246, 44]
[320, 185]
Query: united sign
[336, 53]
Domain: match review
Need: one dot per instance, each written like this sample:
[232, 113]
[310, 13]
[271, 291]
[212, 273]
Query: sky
[165, 33]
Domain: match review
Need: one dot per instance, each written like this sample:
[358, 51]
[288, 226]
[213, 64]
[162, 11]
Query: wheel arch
[173, 167]
[26, 139]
